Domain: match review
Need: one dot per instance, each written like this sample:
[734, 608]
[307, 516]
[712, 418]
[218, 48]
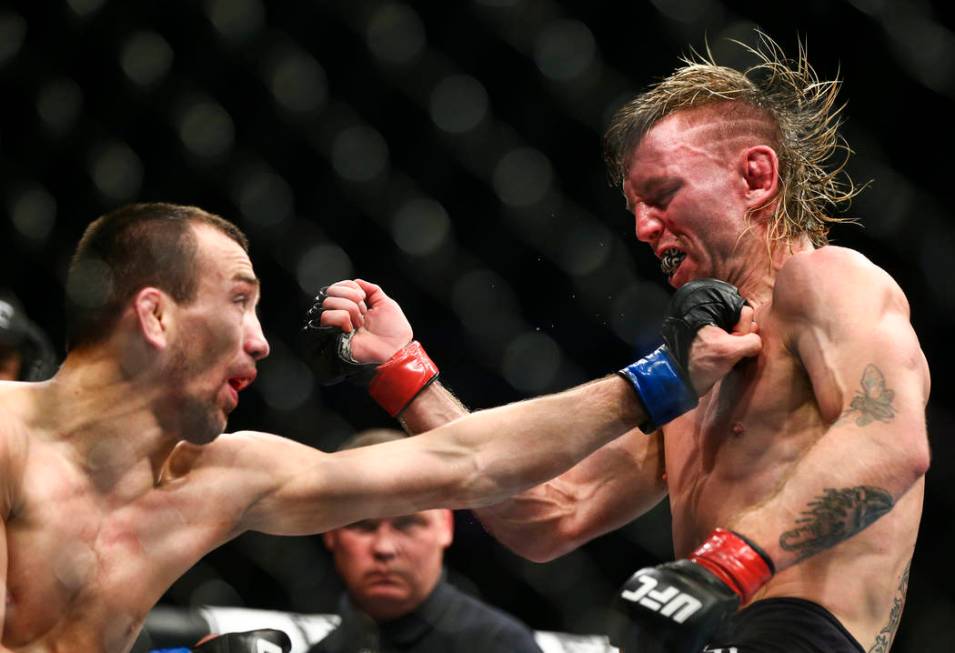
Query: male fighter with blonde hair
[796, 485]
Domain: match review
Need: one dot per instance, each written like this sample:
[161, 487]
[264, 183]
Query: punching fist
[355, 331]
[708, 328]
[351, 327]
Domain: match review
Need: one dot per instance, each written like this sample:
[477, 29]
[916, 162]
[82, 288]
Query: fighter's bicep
[858, 348]
[311, 491]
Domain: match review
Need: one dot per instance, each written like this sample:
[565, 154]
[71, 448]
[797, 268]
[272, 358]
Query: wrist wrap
[662, 388]
[735, 561]
[399, 379]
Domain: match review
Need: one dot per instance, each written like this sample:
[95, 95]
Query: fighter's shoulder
[818, 282]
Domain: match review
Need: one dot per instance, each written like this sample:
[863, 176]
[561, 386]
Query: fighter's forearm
[433, 407]
[518, 446]
[853, 475]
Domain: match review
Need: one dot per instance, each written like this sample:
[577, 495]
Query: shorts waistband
[792, 602]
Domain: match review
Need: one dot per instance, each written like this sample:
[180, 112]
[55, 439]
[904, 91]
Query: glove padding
[672, 608]
[328, 349]
[265, 640]
[693, 306]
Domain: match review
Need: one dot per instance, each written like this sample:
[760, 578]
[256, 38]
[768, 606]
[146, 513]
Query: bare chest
[81, 569]
[741, 440]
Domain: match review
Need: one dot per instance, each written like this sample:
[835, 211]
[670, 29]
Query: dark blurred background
[451, 152]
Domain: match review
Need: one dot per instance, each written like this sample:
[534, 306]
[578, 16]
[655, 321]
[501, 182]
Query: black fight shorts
[783, 625]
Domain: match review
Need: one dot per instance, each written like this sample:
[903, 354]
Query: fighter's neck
[108, 423]
[755, 276]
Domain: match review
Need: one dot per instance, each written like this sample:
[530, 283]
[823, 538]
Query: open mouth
[237, 384]
[670, 261]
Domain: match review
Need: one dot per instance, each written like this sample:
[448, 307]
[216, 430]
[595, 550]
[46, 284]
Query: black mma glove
[393, 384]
[692, 307]
[265, 640]
[676, 607]
[329, 349]
[661, 379]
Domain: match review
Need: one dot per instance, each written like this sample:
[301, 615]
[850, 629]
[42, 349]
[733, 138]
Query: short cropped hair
[801, 113]
[126, 250]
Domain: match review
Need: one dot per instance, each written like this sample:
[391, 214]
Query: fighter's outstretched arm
[274, 485]
[851, 330]
[479, 459]
[611, 487]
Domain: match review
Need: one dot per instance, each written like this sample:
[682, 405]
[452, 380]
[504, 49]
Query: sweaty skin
[815, 449]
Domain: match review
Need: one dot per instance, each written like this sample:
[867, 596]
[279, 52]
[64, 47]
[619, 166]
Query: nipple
[738, 429]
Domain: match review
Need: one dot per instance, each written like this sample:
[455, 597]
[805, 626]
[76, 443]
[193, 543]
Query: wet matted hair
[800, 120]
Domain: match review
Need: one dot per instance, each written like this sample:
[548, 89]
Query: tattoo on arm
[874, 401]
[835, 516]
[883, 641]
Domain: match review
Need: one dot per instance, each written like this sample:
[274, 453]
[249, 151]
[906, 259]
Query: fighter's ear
[446, 522]
[152, 308]
[759, 167]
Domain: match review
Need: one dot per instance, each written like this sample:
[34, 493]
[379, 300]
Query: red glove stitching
[399, 379]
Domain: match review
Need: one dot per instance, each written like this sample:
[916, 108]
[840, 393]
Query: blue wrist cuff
[662, 389]
[171, 650]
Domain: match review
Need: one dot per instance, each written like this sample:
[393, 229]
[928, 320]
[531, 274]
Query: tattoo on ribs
[883, 641]
[835, 516]
[874, 401]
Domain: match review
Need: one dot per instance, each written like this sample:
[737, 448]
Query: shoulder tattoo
[873, 402]
[834, 516]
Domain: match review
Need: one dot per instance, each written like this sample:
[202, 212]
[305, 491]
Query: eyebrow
[252, 280]
[242, 277]
[653, 183]
[648, 186]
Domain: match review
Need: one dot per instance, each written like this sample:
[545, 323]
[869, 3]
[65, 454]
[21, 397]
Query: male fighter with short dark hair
[114, 479]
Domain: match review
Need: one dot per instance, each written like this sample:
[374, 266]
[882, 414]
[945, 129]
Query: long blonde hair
[800, 109]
